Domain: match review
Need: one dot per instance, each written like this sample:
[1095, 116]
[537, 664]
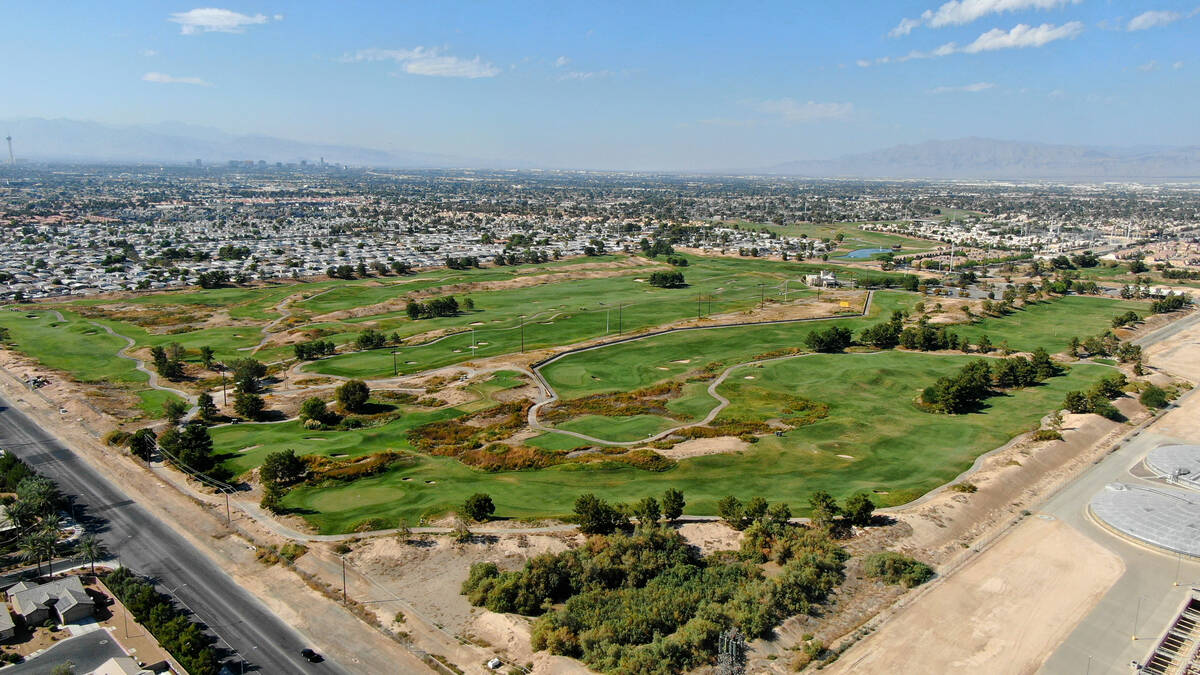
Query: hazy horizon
[621, 86]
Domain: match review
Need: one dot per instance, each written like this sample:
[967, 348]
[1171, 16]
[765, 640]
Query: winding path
[550, 396]
[123, 353]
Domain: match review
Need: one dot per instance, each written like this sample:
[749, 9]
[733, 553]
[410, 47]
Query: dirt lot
[994, 618]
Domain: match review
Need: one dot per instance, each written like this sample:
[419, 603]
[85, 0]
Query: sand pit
[846, 456]
[748, 377]
[661, 368]
[698, 447]
[1003, 612]
[682, 361]
[711, 537]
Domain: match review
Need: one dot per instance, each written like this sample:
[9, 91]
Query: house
[825, 279]
[62, 598]
[7, 627]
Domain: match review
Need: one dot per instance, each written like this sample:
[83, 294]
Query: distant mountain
[176, 143]
[970, 158]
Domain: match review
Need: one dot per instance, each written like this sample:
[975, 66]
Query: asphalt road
[87, 652]
[150, 547]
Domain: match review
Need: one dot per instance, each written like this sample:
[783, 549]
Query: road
[150, 547]
[86, 651]
[1143, 601]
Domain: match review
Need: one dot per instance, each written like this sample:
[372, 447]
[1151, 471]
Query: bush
[479, 507]
[183, 638]
[1154, 397]
[671, 279]
[893, 568]
[967, 488]
[353, 395]
[832, 339]
[1047, 435]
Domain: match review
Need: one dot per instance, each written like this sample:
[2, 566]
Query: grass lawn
[853, 236]
[74, 346]
[243, 446]
[633, 365]
[618, 428]
[906, 453]
[572, 311]
[1052, 324]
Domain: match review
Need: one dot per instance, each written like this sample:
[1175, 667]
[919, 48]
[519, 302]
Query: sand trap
[457, 351]
[662, 368]
[682, 361]
[248, 448]
[698, 447]
[845, 456]
[409, 363]
[481, 342]
[431, 482]
[315, 438]
[748, 377]
[407, 478]
[477, 323]
[342, 454]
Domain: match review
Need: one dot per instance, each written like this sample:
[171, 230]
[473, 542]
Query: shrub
[1047, 435]
[967, 488]
[479, 507]
[1154, 397]
[893, 568]
[353, 395]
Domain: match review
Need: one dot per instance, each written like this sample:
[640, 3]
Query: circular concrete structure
[1180, 463]
[1165, 517]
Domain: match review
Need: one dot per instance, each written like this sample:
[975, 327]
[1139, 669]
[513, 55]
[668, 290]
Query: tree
[756, 509]
[247, 374]
[193, 447]
[731, 511]
[272, 499]
[859, 509]
[647, 511]
[672, 504]
[313, 409]
[479, 507]
[1154, 397]
[282, 467]
[779, 514]
[824, 509]
[206, 356]
[142, 444]
[353, 395]
[91, 550]
[206, 409]
[248, 405]
[832, 339]
[596, 516]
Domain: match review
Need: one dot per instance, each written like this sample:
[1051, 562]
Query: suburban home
[7, 627]
[63, 599]
[121, 665]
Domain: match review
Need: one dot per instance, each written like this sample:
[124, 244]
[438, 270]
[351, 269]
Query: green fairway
[86, 352]
[1052, 324]
[243, 446]
[572, 311]
[634, 365]
[902, 454]
[853, 236]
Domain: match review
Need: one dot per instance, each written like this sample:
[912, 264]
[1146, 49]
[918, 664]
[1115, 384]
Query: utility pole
[620, 325]
[522, 333]
[345, 597]
[228, 515]
[697, 306]
[395, 369]
[1137, 615]
[762, 299]
[224, 397]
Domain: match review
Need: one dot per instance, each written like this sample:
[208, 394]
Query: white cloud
[1057, 95]
[1178, 65]
[428, 61]
[585, 74]
[1152, 19]
[1023, 35]
[1148, 66]
[966, 88]
[863, 63]
[213, 20]
[148, 53]
[163, 78]
[561, 61]
[793, 111]
[959, 12]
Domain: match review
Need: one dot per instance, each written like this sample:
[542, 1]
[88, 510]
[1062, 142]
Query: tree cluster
[829, 340]
[667, 279]
[446, 306]
[649, 603]
[314, 349]
[1171, 303]
[184, 639]
[1098, 398]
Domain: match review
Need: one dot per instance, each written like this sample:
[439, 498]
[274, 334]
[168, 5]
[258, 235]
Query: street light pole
[620, 325]
[344, 596]
[395, 368]
[522, 333]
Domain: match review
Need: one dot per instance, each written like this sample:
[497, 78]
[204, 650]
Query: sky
[619, 85]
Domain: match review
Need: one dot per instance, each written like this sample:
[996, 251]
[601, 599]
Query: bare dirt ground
[998, 618]
[698, 447]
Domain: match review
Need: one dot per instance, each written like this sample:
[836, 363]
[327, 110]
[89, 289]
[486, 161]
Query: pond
[866, 252]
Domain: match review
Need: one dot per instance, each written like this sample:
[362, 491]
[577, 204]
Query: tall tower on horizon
[11, 159]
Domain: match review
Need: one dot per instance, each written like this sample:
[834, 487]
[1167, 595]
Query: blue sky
[639, 85]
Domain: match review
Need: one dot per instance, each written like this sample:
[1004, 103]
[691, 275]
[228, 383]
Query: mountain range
[961, 159]
[983, 158]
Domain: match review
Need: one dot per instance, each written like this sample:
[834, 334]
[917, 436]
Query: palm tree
[30, 552]
[91, 550]
[46, 545]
